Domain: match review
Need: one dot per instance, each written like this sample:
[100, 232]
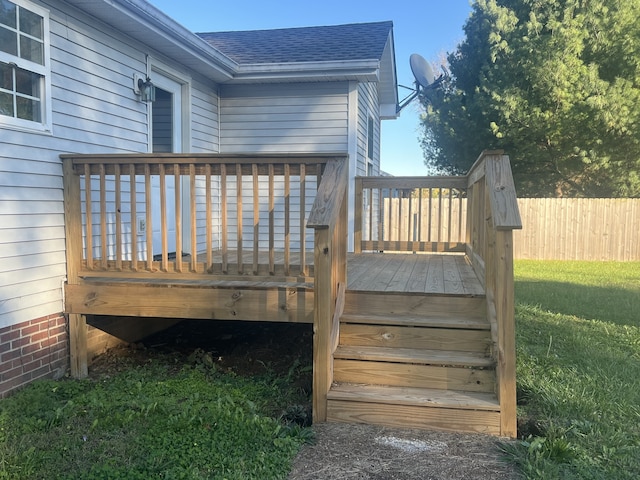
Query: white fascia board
[156, 28]
[361, 70]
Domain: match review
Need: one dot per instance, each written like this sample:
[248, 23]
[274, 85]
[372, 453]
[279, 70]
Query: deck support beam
[78, 345]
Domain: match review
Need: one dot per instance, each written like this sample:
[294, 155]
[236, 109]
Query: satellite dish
[422, 71]
[425, 79]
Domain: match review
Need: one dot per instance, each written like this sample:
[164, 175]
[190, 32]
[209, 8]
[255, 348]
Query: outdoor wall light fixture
[144, 88]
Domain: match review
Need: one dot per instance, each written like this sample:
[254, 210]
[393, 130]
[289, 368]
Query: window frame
[44, 71]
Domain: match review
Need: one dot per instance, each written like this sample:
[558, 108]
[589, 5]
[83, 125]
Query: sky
[427, 27]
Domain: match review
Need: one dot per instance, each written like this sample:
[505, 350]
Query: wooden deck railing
[329, 219]
[414, 214]
[492, 216]
[191, 214]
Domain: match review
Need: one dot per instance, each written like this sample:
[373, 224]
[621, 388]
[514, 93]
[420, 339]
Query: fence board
[578, 229]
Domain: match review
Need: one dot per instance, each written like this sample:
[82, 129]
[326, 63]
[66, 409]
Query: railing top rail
[326, 206]
[202, 158]
[477, 170]
[459, 182]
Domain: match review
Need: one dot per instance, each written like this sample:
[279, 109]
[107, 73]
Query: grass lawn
[578, 369]
[185, 420]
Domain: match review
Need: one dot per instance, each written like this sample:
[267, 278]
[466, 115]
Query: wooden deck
[400, 338]
[412, 273]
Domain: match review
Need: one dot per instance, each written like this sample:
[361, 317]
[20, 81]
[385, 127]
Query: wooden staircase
[415, 361]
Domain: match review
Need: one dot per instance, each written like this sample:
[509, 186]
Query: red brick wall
[32, 350]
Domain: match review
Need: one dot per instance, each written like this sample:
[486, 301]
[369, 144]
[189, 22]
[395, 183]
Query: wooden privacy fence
[579, 229]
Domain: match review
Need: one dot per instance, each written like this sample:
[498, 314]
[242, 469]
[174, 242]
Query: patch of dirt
[366, 452]
[340, 451]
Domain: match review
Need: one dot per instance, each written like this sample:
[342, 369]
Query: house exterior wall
[274, 118]
[94, 109]
[282, 118]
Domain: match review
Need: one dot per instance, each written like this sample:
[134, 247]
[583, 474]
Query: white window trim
[157, 66]
[45, 70]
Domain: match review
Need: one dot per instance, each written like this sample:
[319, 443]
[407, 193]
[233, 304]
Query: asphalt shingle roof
[358, 41]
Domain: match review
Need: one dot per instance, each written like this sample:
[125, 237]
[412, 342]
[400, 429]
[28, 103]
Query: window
[370, 146]
[370, 141]
[24, 64]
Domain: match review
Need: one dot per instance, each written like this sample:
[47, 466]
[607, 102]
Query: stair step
[415, 337]
[414, 396]
[414, 375]
[414, 356]
[466, 323]
[417, 305]
[414, 408]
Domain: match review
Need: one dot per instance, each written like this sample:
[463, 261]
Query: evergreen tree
[556, 84]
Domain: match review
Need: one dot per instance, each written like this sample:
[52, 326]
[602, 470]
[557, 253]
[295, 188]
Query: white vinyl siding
[301, 118]
[368, 108]
[94, 110]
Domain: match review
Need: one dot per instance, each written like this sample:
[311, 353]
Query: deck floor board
[412, 273]
[370, 272]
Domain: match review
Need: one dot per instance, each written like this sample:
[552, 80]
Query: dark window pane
[31, 50]
[27, 83]
[6, 104]
[28, 109]
[6, 76]
[31, 23]
[8, 41]
[7, 13]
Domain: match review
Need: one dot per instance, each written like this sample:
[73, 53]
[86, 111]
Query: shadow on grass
[617, 305]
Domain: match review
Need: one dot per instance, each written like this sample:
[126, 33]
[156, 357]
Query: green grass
[150, 421]
[578, 369]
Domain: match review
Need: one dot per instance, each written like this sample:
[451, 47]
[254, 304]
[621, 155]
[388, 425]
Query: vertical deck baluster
[287, 227]
[430, 216]
[239, 215]
[410, 218]
[439, 215]
[303, 213]
[420, 215]
[256, 216]
[223, 208]
[390, 226]
[271, 221]
[178, 208]
[118, 243]
[164, 230]
[380, 218]
[208, 213]
[148, 211]
[192, 208]
[103, 218]
[134, 220]
[460, 237]
[450, 220]
[370, 214]
[89, 216]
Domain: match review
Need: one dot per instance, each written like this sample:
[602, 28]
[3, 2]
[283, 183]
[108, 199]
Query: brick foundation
[33, 350]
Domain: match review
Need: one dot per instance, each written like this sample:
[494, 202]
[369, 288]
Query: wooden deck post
[357, 218]
[73, 236]
[322, 355]
[505, 306]
[328, 218]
